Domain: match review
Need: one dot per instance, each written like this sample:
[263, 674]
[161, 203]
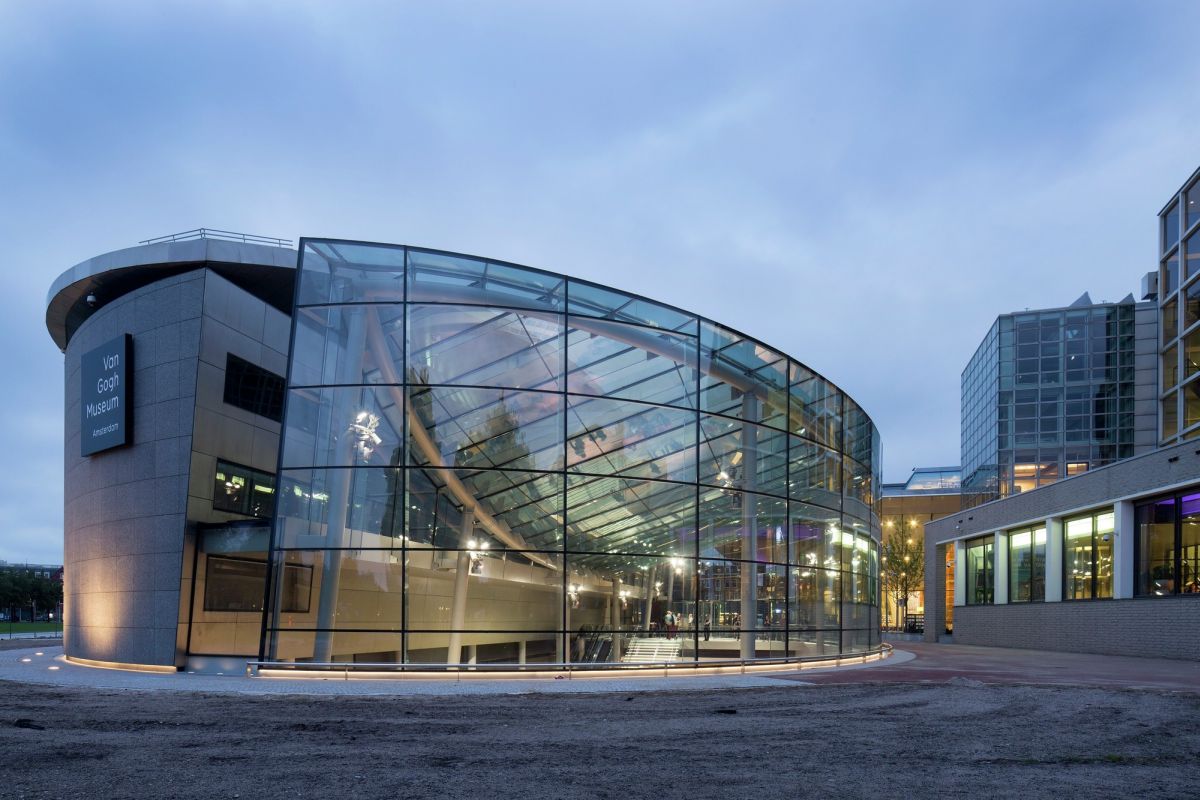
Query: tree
[903, 562]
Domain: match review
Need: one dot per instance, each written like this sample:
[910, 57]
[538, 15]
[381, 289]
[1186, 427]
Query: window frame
[1032, 531]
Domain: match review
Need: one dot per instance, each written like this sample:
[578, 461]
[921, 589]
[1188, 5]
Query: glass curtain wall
[488, 463]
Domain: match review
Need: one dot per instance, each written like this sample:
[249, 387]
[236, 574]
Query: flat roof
[265, 271]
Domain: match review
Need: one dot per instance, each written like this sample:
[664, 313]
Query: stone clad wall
[124, 515]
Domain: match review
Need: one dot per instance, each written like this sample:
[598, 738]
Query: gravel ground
[864, 740]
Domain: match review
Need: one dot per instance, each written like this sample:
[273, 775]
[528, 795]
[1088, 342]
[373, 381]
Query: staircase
[646, 649]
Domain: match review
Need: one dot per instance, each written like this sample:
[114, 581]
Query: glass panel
[526, 508]
[816, 406]
[480, 346]
[339, 272]
[506, 591]
[1156, 548]
[612, 359]
[1170, 416]
[339, 508]
[1191, 304]
[349, 426]
[618, 515]
[857, 490]
[1170, 276]
[1105, 532]
[1170, 364]
[1191, 354]
[724, 584]
[979, 572]
[812, 531]
[1170, 227]
[1077, 559]
[446, 278]
[1192, 254]
[740, 525]
[1191, 403]
[741, 378]
[816, 474]
[620, 437]
[858, 430]
[1020, 566]
[348, 345]
[1191, 209]
[486, 428]
[740, 455]
[1189, 544]
[594, 301]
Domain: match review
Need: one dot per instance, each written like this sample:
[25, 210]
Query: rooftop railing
[214, 233]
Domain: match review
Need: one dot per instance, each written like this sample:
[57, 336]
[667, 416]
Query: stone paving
[911, 662]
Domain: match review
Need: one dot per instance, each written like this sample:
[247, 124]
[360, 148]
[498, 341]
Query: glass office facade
[483, 462]
[1048, 395]
[1179, 314]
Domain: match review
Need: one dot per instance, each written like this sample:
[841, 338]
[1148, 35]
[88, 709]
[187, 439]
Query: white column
[1000, 568]
[650, 593]
[338, 504]
[462, 571]
[960, 572]
[1125, 533]
[749, 572]
[521, 652]
[616, 619]
[1054, 560]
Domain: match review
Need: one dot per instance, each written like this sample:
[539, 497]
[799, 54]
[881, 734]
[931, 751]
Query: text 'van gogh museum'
[368, 454]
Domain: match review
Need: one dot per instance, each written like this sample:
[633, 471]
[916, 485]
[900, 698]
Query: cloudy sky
[863, 185]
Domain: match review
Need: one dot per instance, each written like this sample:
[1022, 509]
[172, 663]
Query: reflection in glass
[484, 463]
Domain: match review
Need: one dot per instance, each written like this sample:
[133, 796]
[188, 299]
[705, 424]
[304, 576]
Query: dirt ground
[864, 740]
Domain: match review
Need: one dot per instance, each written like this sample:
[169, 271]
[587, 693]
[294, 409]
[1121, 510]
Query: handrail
[216, 233]
[253, 668]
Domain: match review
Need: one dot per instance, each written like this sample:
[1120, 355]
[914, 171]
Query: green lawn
[29, 627]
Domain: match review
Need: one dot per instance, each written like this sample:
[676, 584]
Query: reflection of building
[1107, 560]
[928, 494]
[1050, 394]
[469, 461]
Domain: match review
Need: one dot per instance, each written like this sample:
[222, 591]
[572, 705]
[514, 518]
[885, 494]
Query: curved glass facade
[486, 463]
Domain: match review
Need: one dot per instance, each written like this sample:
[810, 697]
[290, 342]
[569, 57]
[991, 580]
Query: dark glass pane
[1192, 254]
[1170, 227]
[612, 359]
[252, 388]
[480, 346]
[1156, 548]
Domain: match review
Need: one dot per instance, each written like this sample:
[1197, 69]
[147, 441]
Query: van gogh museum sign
[105, 405]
